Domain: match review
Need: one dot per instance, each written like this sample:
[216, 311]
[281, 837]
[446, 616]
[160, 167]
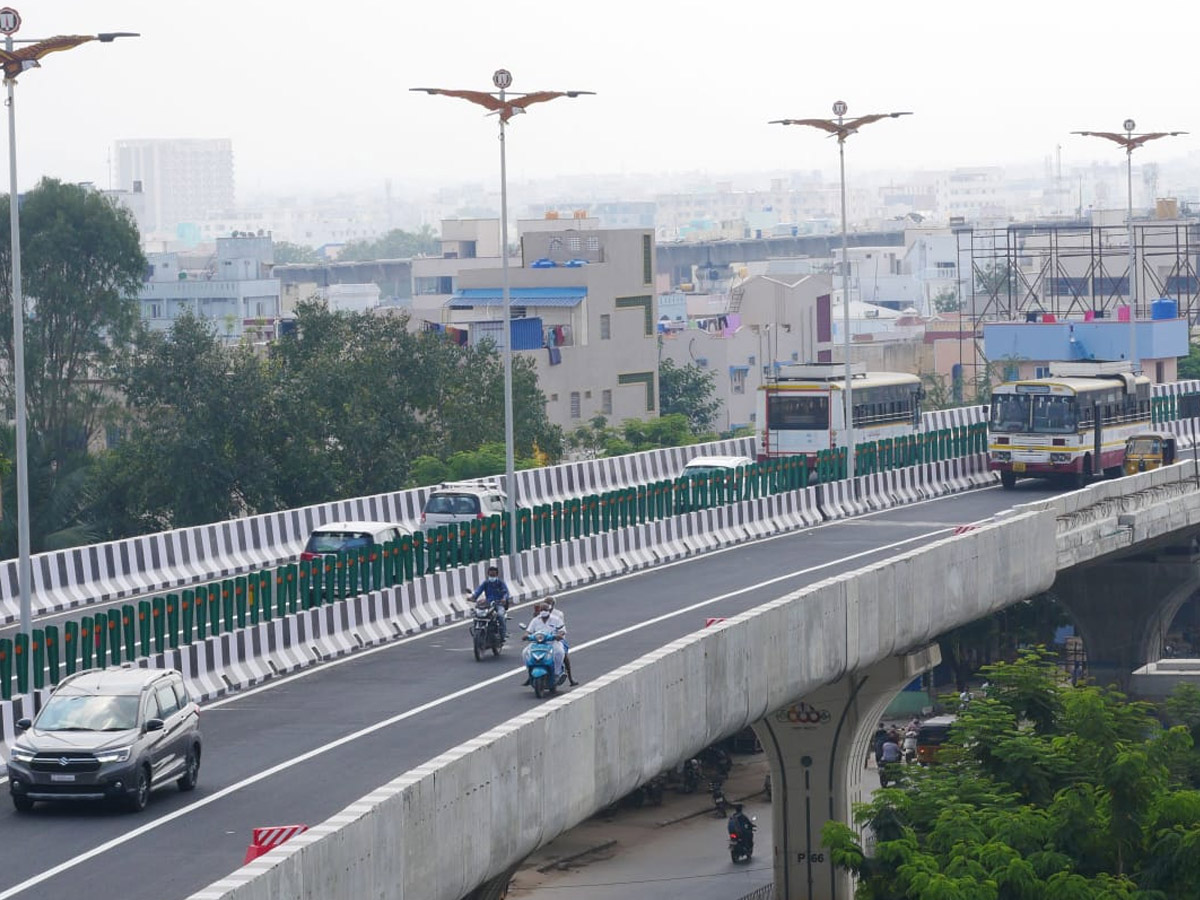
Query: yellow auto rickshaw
[1149, 450]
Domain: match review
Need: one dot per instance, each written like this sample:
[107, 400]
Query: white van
[715, 465]
[461, 501]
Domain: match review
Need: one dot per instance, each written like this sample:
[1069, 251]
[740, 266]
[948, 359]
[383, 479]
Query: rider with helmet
[495, 592]
[556, 614]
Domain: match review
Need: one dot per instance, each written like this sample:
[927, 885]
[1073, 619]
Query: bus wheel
[1008, 479]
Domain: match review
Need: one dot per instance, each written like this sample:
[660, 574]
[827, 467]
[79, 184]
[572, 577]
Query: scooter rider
[556, 614]
[544, 623]
[740, 825]
[495, 591]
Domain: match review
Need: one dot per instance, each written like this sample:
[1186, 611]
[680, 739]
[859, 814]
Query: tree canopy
[396, 244]
[688, 390]
[1043, 791]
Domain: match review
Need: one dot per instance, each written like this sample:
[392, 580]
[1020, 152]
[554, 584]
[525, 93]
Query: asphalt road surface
[300, 749]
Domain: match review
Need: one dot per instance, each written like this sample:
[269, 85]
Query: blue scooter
[539, 663]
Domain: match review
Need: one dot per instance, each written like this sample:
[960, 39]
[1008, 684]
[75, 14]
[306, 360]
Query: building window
[554, 398]
[154, 310]
[555, 245]
[605, 326]
[1038, 372]
[573, 244]
[606, 403]
[575, 413]
[737, 380]
[593, 244]
[647, 259]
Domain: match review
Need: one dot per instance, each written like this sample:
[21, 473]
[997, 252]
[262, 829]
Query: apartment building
[183, 181]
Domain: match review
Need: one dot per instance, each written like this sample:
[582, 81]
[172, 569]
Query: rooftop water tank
[1164, 308]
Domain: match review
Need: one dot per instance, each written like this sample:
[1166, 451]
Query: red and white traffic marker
[709, 622]
[268, 838]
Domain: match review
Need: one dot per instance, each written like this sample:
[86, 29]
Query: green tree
[1042, 791]
[82, 266]
[58, 499]
[201, 434]
[285, 252]
[688, 390]
[396, 244]
[1189, 366]
[947, 301]
[591, 439]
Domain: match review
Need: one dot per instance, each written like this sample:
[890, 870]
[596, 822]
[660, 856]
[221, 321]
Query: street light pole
[841, 128]
[1130, 141]
[24, 573]
[839, 109]
[14, 63]
[502, 79]
[505, 106]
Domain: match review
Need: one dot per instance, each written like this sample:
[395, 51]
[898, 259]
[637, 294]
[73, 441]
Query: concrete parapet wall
[468, 815]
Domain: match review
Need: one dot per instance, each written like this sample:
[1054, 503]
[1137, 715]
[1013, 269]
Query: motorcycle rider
[495, 592]
[556, 613]
[741, 826]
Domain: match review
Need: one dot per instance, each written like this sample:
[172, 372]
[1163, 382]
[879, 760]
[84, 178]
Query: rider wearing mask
[495, 591]
[544, 622]
[556, 614]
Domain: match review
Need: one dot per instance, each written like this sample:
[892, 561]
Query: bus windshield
[790, 413]
[1034, 414]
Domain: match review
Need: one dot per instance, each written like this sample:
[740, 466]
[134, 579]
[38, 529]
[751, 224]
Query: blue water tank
[1164, 308]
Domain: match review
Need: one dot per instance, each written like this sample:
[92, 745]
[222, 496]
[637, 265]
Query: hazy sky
[315, 94]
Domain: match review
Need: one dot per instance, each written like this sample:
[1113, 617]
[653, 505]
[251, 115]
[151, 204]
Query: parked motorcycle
[485, 630]
[539, 663]
[741, 837]
[718, 798]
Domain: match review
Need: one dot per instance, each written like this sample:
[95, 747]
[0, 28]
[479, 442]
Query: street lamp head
[107, 37]
[1129, 124]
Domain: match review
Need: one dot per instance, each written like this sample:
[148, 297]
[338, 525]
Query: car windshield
[1145, 446]
[707, 470]
[105, 712]
[452, 505]
[333, 541]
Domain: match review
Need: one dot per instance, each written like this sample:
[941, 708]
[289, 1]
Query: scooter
[718, 798]
[485, 630]
[741, 839]
[539, 663]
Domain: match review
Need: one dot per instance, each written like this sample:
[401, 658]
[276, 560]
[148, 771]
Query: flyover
[458, 824]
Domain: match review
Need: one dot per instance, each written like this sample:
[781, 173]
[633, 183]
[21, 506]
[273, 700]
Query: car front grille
[64, 762]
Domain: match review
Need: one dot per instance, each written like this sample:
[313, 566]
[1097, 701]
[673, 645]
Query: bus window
[787, 413]
[1053, 415]
[1010, 413]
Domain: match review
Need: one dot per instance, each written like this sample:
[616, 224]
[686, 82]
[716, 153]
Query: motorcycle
[485, 630]
[539, 663]
[741, 838]
[691, 776]
[720, 804]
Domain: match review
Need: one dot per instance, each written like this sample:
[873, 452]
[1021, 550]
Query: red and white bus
[1071, 424]
[803, 410]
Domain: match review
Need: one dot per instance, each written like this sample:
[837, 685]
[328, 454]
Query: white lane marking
[408, 714]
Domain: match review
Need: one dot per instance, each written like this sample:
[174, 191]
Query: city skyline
[318, 99]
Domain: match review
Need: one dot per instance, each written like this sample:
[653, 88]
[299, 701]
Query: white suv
[462, 501]
[337, 536]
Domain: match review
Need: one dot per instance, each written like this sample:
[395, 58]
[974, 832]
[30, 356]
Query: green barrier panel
[144, 619]
[549, 524]
[87, 643]
[115, 631]
[261, 607]
[52, 653]
[284, 597]
[405, 568]
[353, 564]
[6, 669]
[304, 583]
[100, 629]
[172, 621]
[363, 568]
[187, 616]
[389, 559]
[240, 599]
[228, 612]
[70, 647]
[556, 522]
[201, 612]
[450, 549]
[129, 632]
[377, 558]
[536, 523]
[158, 616]
[38, 656]
[20, 660]
[333, 578]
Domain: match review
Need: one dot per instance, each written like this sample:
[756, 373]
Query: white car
[462, 501]
[716, 465]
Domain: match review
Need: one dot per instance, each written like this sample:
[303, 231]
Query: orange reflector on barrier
[270, 837]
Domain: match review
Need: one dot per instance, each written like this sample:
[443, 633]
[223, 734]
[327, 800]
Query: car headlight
[111, 756]
[22, 754]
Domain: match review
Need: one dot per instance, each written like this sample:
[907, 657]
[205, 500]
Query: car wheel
[22, 803]
[191, 771]
[137, 800]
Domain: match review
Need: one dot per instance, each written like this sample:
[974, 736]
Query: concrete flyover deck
[471, 814]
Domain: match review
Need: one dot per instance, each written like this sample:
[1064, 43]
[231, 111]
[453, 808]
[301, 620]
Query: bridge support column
[816, 748]
[1124, 608]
